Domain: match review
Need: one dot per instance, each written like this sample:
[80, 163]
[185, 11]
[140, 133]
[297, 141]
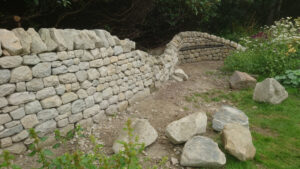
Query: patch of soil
[166, 104]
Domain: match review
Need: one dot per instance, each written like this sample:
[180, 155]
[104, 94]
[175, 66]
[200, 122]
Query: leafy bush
[290, 78]
[270, 52]
[129, 158]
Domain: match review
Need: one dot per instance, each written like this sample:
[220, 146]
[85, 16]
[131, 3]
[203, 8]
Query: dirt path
[168, 103]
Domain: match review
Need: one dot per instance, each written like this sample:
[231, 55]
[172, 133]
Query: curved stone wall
[55, 79]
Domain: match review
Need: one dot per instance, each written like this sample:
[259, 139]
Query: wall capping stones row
[59, 78]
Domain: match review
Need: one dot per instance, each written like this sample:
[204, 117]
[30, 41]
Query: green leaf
[48, 152]
[55, 146]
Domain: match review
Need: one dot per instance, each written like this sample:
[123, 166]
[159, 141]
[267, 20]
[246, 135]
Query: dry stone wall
[58, 78]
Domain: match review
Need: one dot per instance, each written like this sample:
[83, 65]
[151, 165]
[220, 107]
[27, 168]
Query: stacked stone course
[56, 79]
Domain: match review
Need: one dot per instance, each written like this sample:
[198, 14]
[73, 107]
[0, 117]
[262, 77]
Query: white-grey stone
[118, 50]
[42, 70]
[60, 89]
[6, 142]
[48, 57]
[78, 106]
[20, 98]
[47, 114]
[122, 106]
[29, 121]
[201, 151]
[138, 96]
[90, 112]
[20, 136]
[241, 80]
[96, 63]
[111, 110]
[141, 129]
[97, 97]
[113, 99]
[44, 93]
[12, 124]
[67, 78]
[64, 108]
[10, 43]
[270, 91]
[183, 129]
[21, 87]
[107, 93]
[181, 74]
[9, 109]
[46, 37]
[69, 97]
[4, 76]
[7, 89]
[10, 61]
[37, 45]
[81, 75]
[33, 107]
[128, 94]
[73, 68]
[82, 94]
[92, 35]
[31, 59]
[21, 74]
[3, 102]
[228, 115]
[83, 41]
[98, 118]
[4, 118]
[18, 114]
[25, 39]
[46, 127]
[89, 101]
[63, 55]
[93, 74]
[101, 35]
[56, 35]
[51, 102]
[104, 104]
[35, 85]
[84, 65]
[68, 35]
[59, 70]
[11, 131]
[51, 81]
[75, 117]
[18, 148]
[63, 122]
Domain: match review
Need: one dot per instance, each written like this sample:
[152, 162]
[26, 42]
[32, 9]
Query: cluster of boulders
[200, 151]
[268, 91]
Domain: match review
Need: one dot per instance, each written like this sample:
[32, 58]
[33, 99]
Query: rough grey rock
[12, 124]
[183, 129]
[6, 142]
[238, 141]
[89, 101]
[270, 91]
[241, 80]
[35, 85]
[42, 70]
[51, 81]
[93, 74]
[20, 136]
[69, 97]
[11, 131]
[138, 96]
[33, 107]
[67, 78]
[46, 92]
[10, 42]
[62, 123]
[181, 74]
[201, 151]
[48, 57]
[18, 113]
[47, 114]
[46, 127]
[64, 108]
[10, 61]
[29, 121]
[18, 148]
[21, 87]
[118, 50]
[37, 45]
[56, 35]
[101, 35]
[60, 70]
[141, 129]
[21, 74]
[31, 59]
[104, 104]
[78, 106]
[83, 41]
[3, 102]
[75, 117]
[81, 75]
[68, 35]
[46, 37]
[4, 118]
[7, 89]
[111, 110]
[51, 102]
[228, 115]
[90, 112]
[20, 98]
[107, 93]
[4, 76]
[25, 39]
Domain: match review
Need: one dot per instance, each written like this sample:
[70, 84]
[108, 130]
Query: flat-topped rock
[201, 151]
[241, 80]
[228, 115]
[183, 129]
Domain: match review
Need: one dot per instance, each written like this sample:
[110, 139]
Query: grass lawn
[275, 130]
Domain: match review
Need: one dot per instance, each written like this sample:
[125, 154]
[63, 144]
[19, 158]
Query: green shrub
[270, 52]
[129, 158]
[290, 78]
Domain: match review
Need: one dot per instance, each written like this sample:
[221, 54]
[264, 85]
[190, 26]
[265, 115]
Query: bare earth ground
[164, 105]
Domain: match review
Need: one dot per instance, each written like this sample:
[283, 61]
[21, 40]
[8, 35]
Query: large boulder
[183, 129]
[201, 151]
[269, 91]
[10, 43]
[241, 80]
[238, 141]
[228, 115]
[141, 129]
[24, 38]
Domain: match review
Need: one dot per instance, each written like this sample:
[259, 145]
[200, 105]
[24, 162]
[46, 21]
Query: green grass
[275, 130]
